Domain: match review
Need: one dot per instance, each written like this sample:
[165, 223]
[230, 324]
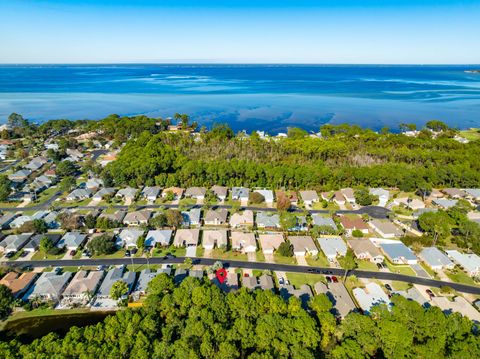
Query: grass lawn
[44, 196]
[200, 251]
[117, 254]
[39, 255]
[298, 279]
[319, 261]
[471, 134]
[284, 260]
[16, 255]
[85, 202]
[260, 256]
[459, 277]
[428, 270]
[229, 255]
[176, 251]
[9, 204]
[401, 269]
[42, 313]
[400, 285]
[367, 265]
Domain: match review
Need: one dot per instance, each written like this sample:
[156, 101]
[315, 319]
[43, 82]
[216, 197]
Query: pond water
[28, 329]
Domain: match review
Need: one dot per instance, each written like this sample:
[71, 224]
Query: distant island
[472, 71]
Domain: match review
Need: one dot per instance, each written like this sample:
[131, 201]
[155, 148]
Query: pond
[28, 329]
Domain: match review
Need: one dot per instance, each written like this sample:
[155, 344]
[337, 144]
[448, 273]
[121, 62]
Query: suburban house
[161, 237]
[94, 183]
[214, 238]
[191, 217]
[304, 293]
[352, 223]
[412, 203]
[34, 243]
[186, 237]
[220, 192]
[469, 262]
[19, 176]
[398, 253]
[267, 194]
[321, 221]
[51, 220]
[268, 220]
[104, 193]
[114, 275]
[128, 194]
[421, 211]
[49, 286]
[270, 242]
[14, 242]
[137, 218]
[36, 163]
[333, 247]
[83, 285]
[180, 275]
[265, 282]
[150, 193]
[454, 193]
[435, 258]
[118, 216]
[244, 242]
[71, 240]
[20, 221]
[290, 195]
[177, 192]
[250, 282]
[244, 219]
[144, 278]
[215, 217]
[371, 296]
[18, 282]
[338, 198]
[128, 237]
[309, 197]
[364, 249]
[240, 194]
[6, 219]
[382, 194]
[196, 193]
[338, 295]
[303, 245]
[79, 194]
[230, 283]
[444, 202]
[349, 195]
[385, 228]
[300, 225]
[473, 194]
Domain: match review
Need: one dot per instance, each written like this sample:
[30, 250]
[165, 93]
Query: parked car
[24, 254]
[389, 287]
[127, 253]
[9, 254]
[73, 252]
[430, 293]
[281, 280]
[335, 280]
[329, 279]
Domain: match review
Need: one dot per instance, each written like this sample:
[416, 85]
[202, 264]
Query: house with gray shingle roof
[435, 258]
[151, 193]
[114, 275]
[321, 221]
[162, 237]
[49, 286]
[71, 240]
[268, 220]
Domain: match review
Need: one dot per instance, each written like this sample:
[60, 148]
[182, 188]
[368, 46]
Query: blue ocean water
[270, 97]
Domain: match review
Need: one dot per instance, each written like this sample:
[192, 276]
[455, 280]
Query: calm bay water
[270, 97]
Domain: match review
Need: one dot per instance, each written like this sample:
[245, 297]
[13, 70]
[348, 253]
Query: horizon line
[200, 62]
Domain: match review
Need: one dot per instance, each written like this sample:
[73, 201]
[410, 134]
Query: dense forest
[345, 156]
[197, 320]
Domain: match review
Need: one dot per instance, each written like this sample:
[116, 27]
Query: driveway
[191, 251]
[269, 258]
[301, 260]
[252, 256]
[417, 268]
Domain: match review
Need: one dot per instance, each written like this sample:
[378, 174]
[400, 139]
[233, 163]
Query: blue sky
[249, 31]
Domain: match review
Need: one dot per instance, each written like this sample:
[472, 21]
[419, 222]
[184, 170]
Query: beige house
[309, 197]
[244, 242]
[186, 237]
[366, 250]
[303, 245]
[177, 192]
[270, 242]
[215, 217]
[244, 219]
[385, 228]
[83, 284]
[214, 238]
[137, 218]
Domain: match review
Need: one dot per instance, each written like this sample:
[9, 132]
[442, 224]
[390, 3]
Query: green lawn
[200, 251]
[428, 270]
[366, 265]
[319, 261]
[118, 254]
[39, 255]
[260, 256]
[16, 255]
[298, 279]
[471, 134]
[229, 255]
[176, 251]
[459, 276]
[284, 260]
[400, 285]
[401, 269]
[9, 204]
[44, 196]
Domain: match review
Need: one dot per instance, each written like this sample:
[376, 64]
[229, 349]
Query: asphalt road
[251, 265]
